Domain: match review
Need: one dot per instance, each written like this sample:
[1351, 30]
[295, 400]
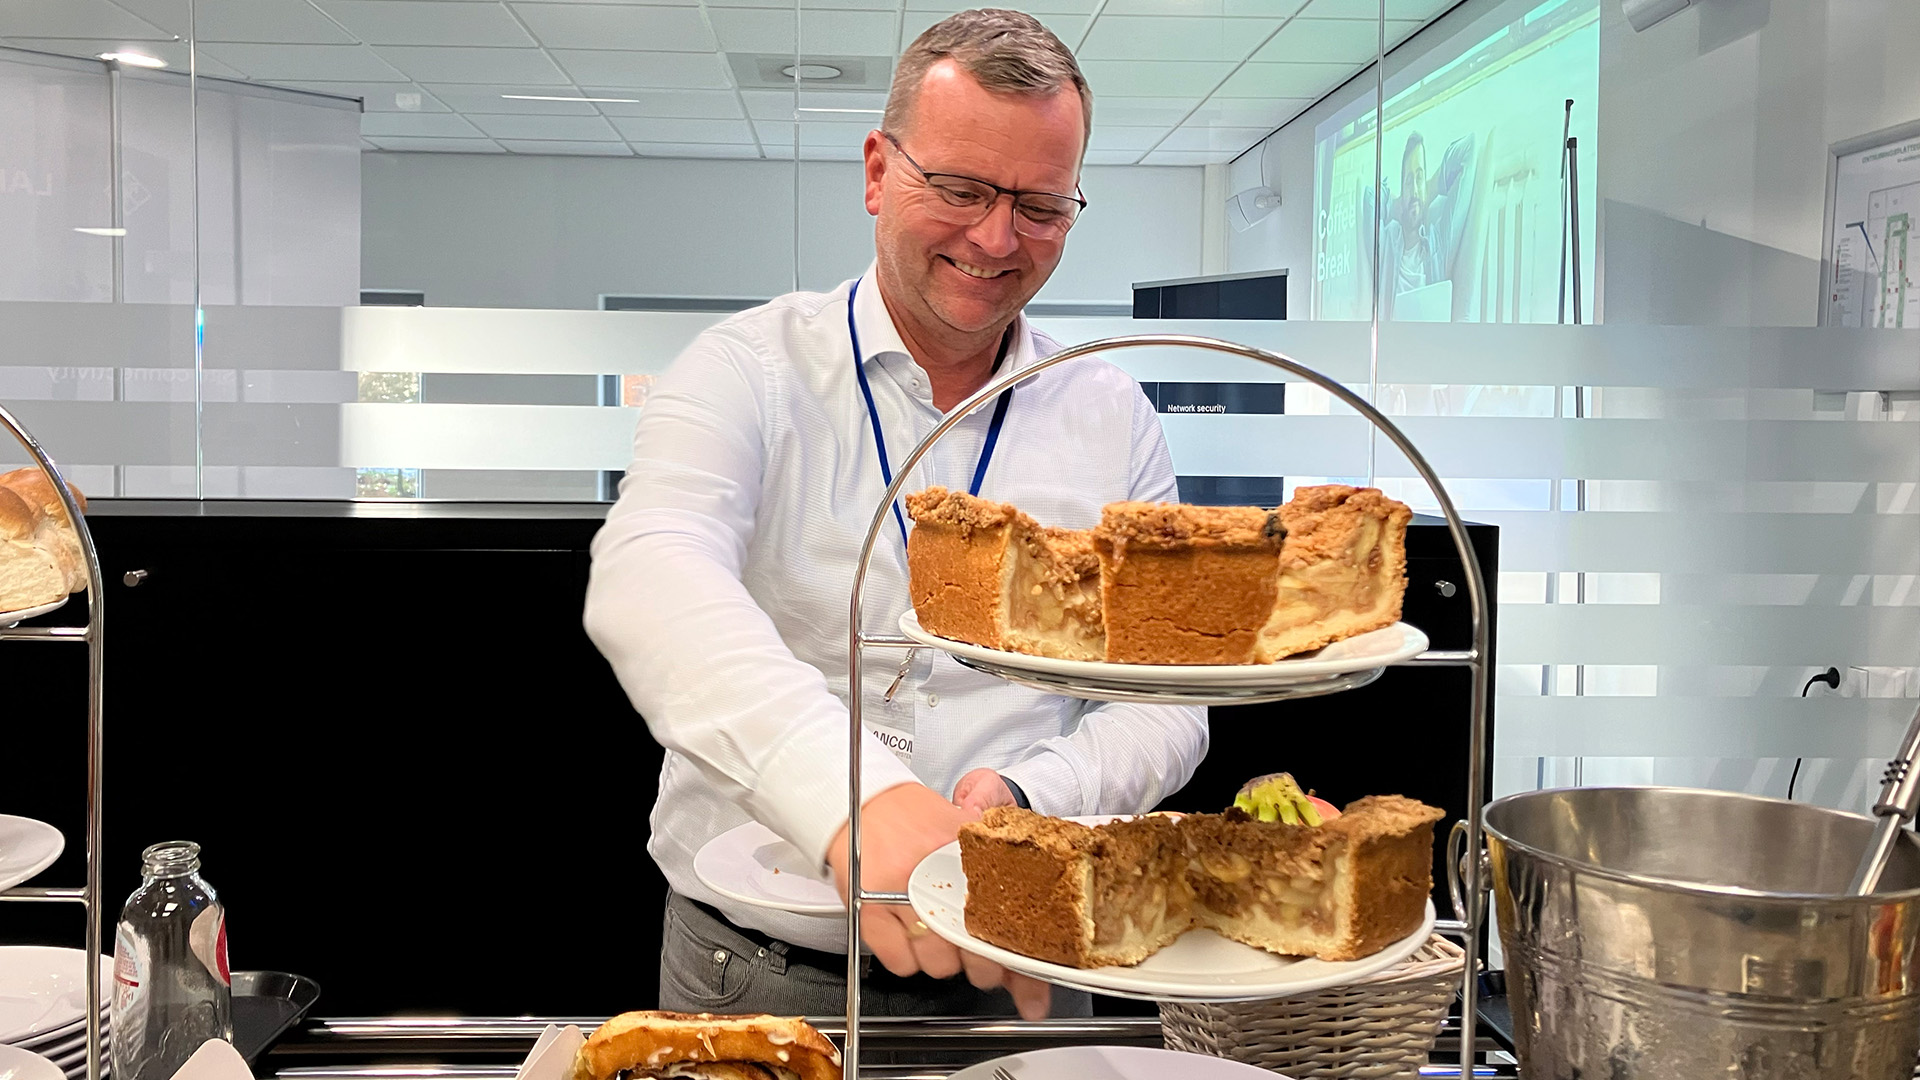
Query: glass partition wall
[1638, 289]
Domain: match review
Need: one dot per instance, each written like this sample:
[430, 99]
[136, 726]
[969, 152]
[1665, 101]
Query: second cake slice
[1186, 584]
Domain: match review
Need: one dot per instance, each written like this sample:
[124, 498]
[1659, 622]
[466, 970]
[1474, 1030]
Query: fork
[1000, 1073]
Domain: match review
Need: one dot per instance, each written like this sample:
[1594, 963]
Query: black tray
[266, 1004]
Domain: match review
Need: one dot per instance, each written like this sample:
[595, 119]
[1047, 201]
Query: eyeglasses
[963, 200]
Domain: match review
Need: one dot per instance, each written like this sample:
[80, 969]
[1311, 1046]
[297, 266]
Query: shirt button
[933, 701]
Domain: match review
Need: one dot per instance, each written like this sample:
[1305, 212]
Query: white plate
[1364, 652]
[41, 989]
[61, 1040]
[26, 848]
[753, 865]
[1114, 1063]
[1201, 966]
[18, 1064]
[8, 618]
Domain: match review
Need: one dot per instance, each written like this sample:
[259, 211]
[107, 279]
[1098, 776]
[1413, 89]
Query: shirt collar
[879, 336]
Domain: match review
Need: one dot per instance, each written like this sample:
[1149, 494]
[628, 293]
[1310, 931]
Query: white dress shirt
[721, 582]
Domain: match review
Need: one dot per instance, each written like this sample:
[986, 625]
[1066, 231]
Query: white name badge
[898, 740]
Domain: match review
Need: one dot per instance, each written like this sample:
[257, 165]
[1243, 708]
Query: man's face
[1413, 185]
[958, 278]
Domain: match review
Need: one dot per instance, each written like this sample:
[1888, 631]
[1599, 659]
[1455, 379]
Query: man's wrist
[1019, 796]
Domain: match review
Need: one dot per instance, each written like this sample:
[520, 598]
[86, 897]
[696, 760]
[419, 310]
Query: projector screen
[1469, 175]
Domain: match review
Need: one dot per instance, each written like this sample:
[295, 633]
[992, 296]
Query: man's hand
[899, 827]
[980, 789]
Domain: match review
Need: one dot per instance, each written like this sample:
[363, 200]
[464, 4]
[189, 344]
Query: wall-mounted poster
[1872, 216]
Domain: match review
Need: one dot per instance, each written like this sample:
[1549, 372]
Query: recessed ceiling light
[99, 231]
[547, 97]
[134, 59]
[811, 72]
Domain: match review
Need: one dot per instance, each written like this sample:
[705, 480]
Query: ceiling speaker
[1642, 14]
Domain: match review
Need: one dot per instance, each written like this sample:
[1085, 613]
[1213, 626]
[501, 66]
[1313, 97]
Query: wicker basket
[1382, 1026]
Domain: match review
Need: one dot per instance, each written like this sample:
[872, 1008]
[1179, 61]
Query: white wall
[557, 232]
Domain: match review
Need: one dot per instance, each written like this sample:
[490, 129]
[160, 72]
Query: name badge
[898, 740]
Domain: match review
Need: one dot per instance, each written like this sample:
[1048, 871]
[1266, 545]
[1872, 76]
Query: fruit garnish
[1277, 797]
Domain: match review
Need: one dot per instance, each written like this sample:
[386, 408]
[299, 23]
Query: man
[1427, 222]
[721, 579]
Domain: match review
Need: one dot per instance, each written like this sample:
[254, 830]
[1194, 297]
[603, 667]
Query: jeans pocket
[706, 971]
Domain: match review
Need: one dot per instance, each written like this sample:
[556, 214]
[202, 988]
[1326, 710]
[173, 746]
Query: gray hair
[1005, 51]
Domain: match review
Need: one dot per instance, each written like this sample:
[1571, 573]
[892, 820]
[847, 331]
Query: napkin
[215, 1060]
[552, 1054]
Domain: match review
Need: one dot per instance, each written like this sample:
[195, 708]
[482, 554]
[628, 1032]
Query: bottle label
[208, 940]
[131, 968]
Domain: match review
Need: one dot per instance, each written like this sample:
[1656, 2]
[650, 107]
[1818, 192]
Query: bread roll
[701, 1045]
[29, 574]
[54, 531]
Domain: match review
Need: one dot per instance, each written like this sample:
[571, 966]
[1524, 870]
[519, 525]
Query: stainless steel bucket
[1667, 934]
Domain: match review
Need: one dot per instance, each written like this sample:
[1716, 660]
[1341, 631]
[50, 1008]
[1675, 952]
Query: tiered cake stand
[92, 636]
[1469, 911]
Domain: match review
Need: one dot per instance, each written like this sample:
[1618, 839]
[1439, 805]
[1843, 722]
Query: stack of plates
[43, 1004]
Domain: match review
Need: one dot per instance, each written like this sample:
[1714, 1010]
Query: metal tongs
[1899, 799]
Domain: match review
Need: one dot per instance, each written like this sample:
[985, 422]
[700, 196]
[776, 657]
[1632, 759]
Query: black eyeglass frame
[998, 191]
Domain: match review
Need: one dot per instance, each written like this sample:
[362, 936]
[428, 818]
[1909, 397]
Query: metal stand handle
[1475, 659]
[93, 634]
[1899, 798]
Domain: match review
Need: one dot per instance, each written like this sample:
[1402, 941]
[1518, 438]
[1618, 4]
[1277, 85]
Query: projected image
[1469, 198]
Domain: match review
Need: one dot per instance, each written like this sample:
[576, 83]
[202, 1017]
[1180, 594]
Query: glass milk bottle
[171, 988]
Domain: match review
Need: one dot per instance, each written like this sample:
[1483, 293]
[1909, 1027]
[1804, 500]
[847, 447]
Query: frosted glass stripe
[1693, 635]
[1266, 445]
[59, 334]
[1707, 543]
[486, 436]
[1341, 350]
[1520, 448]
[512, 342]
[1684, 726]
[1619, 354]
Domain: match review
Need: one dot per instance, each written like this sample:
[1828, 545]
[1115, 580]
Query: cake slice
[30, 575]
[1090, 896]
[1338, 891]
[1343, 569]
[1073, 894]
[1186, 584]
[983, 572]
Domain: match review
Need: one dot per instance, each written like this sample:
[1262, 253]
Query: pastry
[654, 1045]
[1343, 569]
[1186, 584]
[30, 574]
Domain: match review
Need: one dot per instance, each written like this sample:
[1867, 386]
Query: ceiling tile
[332, 63]
[822, 5]
[696, 150]
[678, 104]
[268, 21]
[1188, 157]
[441, 146]
[1136, 139]
[1170, 37]
[567, 128]
[836, 152]
[1353, 41]
[1421, 10]
[1153, 78]
[75, 19]
[779, 104]
[845, 33]
[1260, 80]
[465, 64]
[1140, 111]
[168, 15]
[428, 22]
[605, 26]
[638, 129]
[1268, 113]
[366, 145]
[1068, 26]
[482, 98]
[1202, 137]
[849, 138]
[432, 125]
[657, 70]
[1112, 157]
[378, 96]
[173, 52]
[573, 149]
[1242, 9]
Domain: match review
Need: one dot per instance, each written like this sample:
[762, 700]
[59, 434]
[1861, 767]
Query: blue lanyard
[880, 438]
